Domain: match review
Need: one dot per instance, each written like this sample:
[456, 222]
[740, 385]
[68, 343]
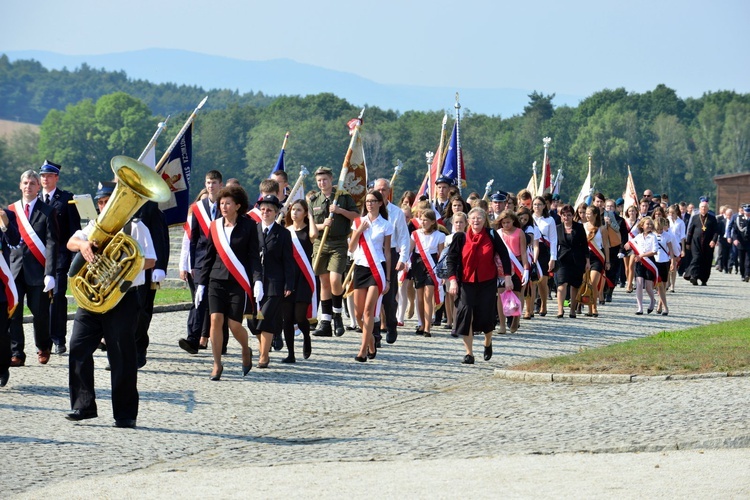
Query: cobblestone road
[414, 404]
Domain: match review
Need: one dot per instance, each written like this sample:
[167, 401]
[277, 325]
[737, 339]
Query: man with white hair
[702, 235]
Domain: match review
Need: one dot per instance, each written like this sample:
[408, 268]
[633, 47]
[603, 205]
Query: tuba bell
[98, 286]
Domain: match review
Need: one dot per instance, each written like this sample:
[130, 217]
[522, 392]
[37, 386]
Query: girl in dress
[532, 255]
[598, 243]
[509, 229]
[644, 247]
[426, 244]
[631, 224]
[547, 248]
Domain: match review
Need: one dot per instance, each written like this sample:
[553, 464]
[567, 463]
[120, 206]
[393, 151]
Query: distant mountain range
[287, 77]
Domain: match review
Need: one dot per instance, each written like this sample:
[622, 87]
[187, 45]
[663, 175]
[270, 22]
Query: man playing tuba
[115, 326]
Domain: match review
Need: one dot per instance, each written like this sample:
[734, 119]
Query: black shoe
[217, 377]
[141, 359]
[487, 352]
[125, 423]
[4, 376]
[324, 330]
[338, 325]
[188, 346]
[371, 355]
[454, 334]
[436, 323]
[694, 282]
[468, 360]
[306, 347]
[378, 342]
[427, 334]
[419, 331]
[278, 342]
[289, 359]
[60, 349]
[361, 360]
[77, 415]
[391, 336]
[703, 283]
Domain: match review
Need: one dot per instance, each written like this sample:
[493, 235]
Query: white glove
[525, 277]
[49, 283]
[258, 291]
[199, 294]
[158, 275]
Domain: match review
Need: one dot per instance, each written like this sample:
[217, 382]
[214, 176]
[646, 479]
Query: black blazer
[11, 237]
[198, 241]
[277, 260]
[154, 220]
[577, 249]
[244, 242]
[454, 259]
[43, 220]
[68, 222]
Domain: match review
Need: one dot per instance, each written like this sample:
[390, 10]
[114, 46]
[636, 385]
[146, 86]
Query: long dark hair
[383, 210]
[301, 202]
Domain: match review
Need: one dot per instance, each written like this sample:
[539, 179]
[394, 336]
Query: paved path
[413, 422]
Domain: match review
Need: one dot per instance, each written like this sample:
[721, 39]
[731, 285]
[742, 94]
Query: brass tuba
[98, 286]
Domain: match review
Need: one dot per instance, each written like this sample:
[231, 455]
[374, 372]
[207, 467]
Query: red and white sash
[28, 234]
[306, 269]
[632, 230]
[599, 254]
[515, 263]
[203, 217]
[365, 243]
[646, 261]
[11, 293]
[254, 214]
[429, 264]
[228, 257]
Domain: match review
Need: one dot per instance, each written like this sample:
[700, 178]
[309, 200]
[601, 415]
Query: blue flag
[279, 163]
[176, 173]
[450, 167]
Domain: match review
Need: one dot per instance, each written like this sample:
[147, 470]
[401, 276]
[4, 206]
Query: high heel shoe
[217, 377]
[247, 367]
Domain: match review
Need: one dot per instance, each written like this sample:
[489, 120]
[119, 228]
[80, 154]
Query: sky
[569, 47]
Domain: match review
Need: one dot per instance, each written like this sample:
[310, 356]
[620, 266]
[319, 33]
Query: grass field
[721, 347]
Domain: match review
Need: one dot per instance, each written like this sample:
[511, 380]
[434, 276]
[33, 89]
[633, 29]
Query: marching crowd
[471, 265]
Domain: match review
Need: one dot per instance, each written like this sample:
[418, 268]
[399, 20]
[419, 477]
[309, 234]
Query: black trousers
[4, 337]
[390, 303]
[146, 298]
[58, 309]
[38, 302]
[117, 328]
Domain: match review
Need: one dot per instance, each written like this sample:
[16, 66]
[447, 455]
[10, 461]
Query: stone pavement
[413, 422]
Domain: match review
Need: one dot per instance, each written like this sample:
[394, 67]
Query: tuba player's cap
[50, 168]
[105, 189]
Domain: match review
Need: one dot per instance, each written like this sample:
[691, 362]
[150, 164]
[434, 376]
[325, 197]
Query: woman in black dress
[298, 308]
[572, 259]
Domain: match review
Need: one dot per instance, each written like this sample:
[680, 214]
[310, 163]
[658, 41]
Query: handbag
[511, 304]
[441, 268]
[585, 292]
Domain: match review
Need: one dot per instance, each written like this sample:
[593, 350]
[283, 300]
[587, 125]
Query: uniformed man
[68, 222]
[331, 263]
[116, 326]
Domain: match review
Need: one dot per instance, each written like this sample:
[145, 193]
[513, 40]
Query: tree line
[672, 145]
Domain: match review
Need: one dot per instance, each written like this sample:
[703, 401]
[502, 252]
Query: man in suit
[68, 222]
[34, 265]
[442, 192]
[201, 214]
[153, 218]
[9, 236]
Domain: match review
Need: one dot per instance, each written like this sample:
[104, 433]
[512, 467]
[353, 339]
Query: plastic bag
[511, 304]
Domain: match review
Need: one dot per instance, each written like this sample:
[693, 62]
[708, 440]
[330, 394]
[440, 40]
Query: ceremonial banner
[280, 161]
[450, 168]
[545, 183]
[585, 190]
[355, 182]
[176, 173]
[630, 195]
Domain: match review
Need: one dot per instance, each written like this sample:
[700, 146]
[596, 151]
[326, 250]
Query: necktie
[26, 210]
[46, 198]
[213, 211]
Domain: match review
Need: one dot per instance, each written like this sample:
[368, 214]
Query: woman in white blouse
[644, 247]
[370, 238]
[677, 228]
